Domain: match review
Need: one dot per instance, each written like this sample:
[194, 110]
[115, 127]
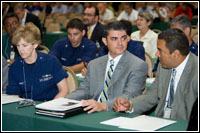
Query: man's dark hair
[175, 40]
[114, 25]
[128, 26]
[9, 15]
[96, 10]
[75, 24]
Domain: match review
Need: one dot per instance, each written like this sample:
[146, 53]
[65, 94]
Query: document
[61, 107]
[142, 123]
[60, 104]
[150, 80]
[10, 99]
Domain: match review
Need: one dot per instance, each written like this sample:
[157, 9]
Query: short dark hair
[9, 15]
[75, 24]
[114, 25]
[96, 10]
[175, 40]
[128, 26]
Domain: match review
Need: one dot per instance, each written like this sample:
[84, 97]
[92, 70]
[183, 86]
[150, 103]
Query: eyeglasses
[86, 14]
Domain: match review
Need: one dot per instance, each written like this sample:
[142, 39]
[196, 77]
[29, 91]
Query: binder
[61, 107]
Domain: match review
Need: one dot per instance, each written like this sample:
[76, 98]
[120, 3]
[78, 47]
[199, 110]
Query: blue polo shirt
[193, 49]
[69, 55]
[37, 81]
[134, 47]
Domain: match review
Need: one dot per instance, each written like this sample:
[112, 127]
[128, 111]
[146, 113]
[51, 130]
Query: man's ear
[83, 32]
[176, 53]
[187, 31]
[104, 40]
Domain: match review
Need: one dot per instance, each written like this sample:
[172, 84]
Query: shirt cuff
[131, 109]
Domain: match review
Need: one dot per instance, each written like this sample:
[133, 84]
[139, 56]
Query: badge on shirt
[167, 112]
[46, 77]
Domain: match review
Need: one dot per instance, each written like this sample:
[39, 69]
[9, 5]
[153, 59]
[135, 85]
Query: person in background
[145, 34]
[183, 8]
[76, 8]
[35, 75]
[25, 16]
[175, 88]
[128, 13]
[4, 75]
[144, 7]
[75, 49]
[94, 29]
[117, 74]
[105, 14]
[7, 8]
[183, 23]
[59, 7]
[11, 23]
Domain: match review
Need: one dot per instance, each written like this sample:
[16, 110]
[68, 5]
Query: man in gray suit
[173, 52]
[128, 77]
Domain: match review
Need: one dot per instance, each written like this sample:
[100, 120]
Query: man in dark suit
[94, 29]
[25, 16]
[174, 94]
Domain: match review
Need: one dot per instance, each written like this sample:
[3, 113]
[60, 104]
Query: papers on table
[143, 123]
[61, 107]
[10, 99]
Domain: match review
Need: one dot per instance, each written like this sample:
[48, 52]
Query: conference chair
[43, 49]
[53, 27]
[72, 79]
[150, 64]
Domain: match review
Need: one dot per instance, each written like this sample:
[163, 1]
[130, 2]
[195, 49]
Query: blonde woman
[35, 75]
[145, 34]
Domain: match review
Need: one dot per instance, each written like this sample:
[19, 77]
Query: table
[25, 119]
[52, 37]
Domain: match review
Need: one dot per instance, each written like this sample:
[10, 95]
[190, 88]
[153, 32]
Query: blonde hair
[29, 32]
[147, 16]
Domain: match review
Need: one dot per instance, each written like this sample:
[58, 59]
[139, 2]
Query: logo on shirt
[78, 59]
[63, 59]
[46, 77]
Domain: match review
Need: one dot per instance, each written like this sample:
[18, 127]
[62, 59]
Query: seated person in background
[59, 7]
[105, 14]
[145, 34]
[75, 49]
[183, 23]
[75, 8]
[11, 23]
[117, 74]
[134, 47]
[176, 85]
[25, 16]
[4, 75]
[94, 29]
[129, 13]
[183, 8]
[144, 7]
[35, 75]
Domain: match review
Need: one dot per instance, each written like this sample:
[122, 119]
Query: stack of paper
[61, 107]
[10, 99]
[143, 123]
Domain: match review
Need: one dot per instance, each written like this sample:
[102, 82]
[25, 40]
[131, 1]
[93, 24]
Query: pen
[27, 105]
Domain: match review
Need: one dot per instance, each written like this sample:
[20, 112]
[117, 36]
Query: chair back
[150, 64]
[53, 27]
[156, 31]
[43, 49]
[72, 80]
